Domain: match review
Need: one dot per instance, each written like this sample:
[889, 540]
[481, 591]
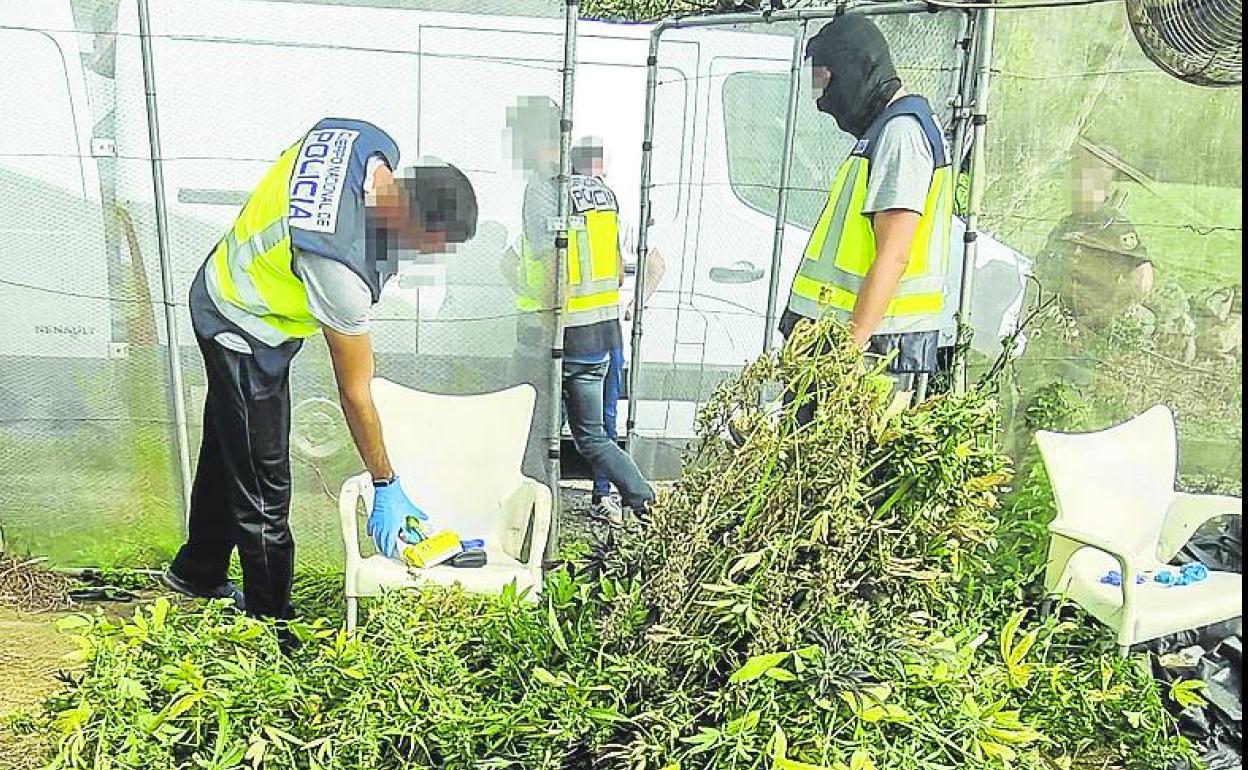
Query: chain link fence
[1112, 197]
[1125, 188]
[721, 101]
[88, 432]
[1111, 229]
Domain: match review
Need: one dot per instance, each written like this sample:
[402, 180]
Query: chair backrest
[458, 456]
[1116, 484]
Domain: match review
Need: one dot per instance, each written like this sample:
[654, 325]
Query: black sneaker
[287, 641]
[226, 590]
[641, 511]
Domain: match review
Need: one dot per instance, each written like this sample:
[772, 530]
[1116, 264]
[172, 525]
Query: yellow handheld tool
[433, 550]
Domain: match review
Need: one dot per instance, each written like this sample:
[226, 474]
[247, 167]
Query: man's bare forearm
[352, 357]
[365, 428]
[894, 233]
[656, 267]
[877, 292]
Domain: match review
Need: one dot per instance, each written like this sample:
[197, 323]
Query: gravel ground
[31, 654]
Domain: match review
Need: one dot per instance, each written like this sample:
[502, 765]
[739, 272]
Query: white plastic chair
[459, 458]
[1117, 509]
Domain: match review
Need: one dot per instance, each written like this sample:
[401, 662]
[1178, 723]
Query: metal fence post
[782, 197]
[172, 338]
[979, 122]
[555, 418]
[962, 97]
[643, 235]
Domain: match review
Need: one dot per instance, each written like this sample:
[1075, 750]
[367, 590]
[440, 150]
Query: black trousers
[241, 495]
[879, 346]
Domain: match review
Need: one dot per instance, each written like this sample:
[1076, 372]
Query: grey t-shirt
[901, 168]
[337, 297]
[901, 174]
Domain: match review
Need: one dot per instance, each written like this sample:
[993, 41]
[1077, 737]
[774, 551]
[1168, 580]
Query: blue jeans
[583, 400]
[611, 389]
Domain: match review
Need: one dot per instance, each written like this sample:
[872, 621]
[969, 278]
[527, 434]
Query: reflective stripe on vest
[594, 270]
[592, 292]
[249, 276]
[842, 250]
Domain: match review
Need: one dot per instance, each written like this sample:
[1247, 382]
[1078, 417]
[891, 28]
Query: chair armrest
[1094, 541]
[1187, 514]
[353, 490]
[1126, 565]
[529, 507]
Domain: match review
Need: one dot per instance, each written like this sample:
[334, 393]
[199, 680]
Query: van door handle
[742, 271]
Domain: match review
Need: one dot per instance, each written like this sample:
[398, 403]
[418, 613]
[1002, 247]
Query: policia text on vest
[592, 296]
[250, 311]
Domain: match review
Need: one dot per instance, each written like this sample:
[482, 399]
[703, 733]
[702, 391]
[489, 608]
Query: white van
[50, 191]
[238, 80]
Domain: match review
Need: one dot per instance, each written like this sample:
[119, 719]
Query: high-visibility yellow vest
[537, 294]
[842, 247]
[594, 259]
[592, 278]
[249, 276]
[316, 185]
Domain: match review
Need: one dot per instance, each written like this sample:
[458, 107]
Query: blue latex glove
[1193, 573]
[391, 509]
[1114, 578]
[1190, 573]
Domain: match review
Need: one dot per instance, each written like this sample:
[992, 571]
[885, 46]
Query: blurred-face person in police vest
[590, 286]
[877, 257]
[589, 158]
[310, 251]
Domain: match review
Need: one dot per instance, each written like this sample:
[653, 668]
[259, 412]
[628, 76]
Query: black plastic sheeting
[1213, 654]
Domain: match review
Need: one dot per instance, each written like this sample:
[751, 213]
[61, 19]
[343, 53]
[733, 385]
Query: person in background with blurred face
[589, 159]
[1095, 254]
[590, 288]
[309, 252]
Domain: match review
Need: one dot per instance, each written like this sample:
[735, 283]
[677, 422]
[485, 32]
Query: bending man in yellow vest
[878, 254]
[310, 250]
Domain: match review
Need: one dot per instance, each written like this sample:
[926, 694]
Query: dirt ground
[31, 653]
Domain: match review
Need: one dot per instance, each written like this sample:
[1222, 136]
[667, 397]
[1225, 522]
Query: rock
[1222, 339]
[1169, 302]
[1138, 323]
[1218, 303]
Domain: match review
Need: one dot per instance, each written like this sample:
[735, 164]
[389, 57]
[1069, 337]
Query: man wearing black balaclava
[878, 255]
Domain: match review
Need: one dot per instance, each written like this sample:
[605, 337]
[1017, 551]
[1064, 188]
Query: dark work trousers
[241, 495]
[902, 382]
